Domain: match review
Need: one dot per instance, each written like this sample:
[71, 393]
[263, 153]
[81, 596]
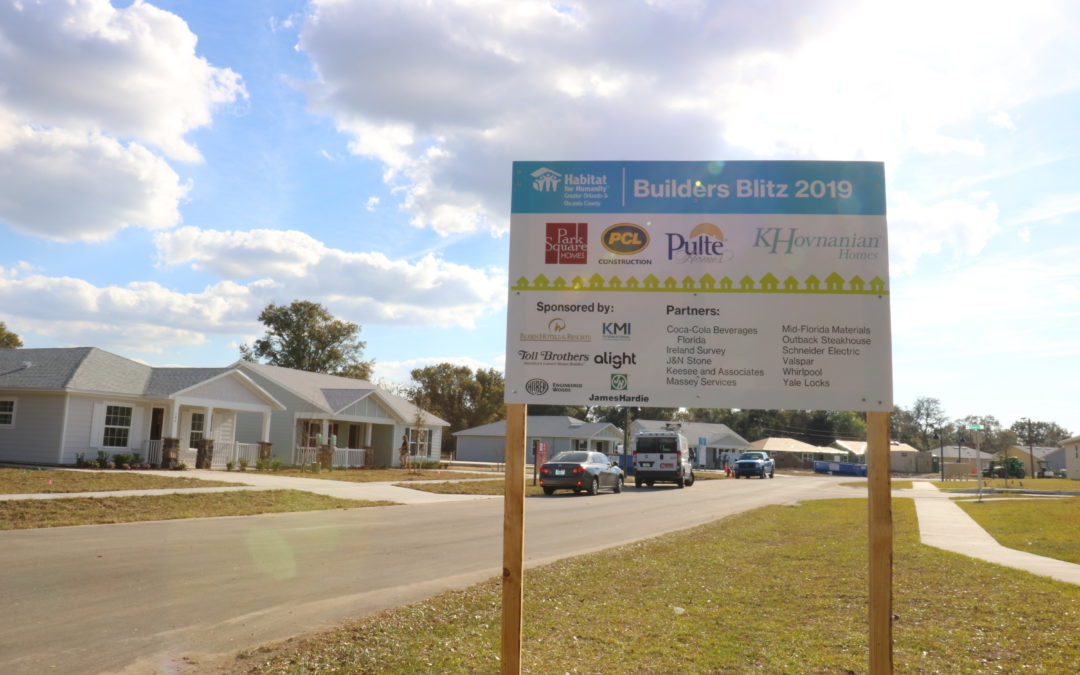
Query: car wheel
[771, 474]
[594, 487]
[637, 482]
[762, 476]
[618, 485]
[577, 491]
[680, 481]
[736, 476]
[691, 480]
[549, 490]
[650, 483]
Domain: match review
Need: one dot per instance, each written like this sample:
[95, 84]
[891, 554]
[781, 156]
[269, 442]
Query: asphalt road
[141, 597]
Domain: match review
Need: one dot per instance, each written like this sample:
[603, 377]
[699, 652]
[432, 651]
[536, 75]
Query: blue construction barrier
[840, 468]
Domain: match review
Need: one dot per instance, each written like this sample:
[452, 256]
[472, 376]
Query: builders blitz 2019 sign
[699, 284]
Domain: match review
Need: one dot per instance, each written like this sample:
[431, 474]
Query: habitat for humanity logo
[566, 244]
[704, 245]
[546, 180]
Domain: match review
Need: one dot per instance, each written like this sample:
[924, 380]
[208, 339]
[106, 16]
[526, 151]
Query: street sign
[703, 284]
[974, 427]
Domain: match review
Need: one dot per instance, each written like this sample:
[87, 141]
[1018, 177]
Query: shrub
[180, 466]
[260, 465]
[229, 465]
[80, 460]
[243, 463]
[102, 460]
[275, 464]
[121, 460]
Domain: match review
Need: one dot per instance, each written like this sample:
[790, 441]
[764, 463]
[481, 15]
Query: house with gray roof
[59, 403]
[362, 423]
[713, 443]
[487, 443]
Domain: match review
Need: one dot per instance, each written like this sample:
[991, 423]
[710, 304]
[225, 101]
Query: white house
[1071, 446]
[487, 443]
[364, 424]
[713, 443]
[59, 403]
[903, 458]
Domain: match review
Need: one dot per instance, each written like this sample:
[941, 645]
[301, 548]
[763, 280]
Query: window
[198, 426]
[419, 441]
[7, 413]
[117, 426]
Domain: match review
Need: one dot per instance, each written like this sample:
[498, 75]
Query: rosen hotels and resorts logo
[556, 332]
[566, 244]
[704, 245]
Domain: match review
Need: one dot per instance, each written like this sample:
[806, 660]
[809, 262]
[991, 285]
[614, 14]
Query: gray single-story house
[487, 443]
[719, 442]
[364, 424]
[59, 403]
[903, 458]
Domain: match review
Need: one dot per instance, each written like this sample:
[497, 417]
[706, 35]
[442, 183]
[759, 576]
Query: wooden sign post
[881, 543]
[513, 537]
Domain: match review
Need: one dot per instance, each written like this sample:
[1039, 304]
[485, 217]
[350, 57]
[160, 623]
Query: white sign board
[699, 284]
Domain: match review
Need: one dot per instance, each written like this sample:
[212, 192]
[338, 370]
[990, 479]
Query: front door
[157, 422]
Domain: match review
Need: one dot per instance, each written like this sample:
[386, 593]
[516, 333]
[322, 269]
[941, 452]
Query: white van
[662, 456]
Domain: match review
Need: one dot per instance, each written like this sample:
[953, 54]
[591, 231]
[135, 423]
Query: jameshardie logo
[620, 381]
[566, 244]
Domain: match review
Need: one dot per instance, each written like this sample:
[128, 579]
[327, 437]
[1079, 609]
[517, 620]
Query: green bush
[243, 463]
[275, 464]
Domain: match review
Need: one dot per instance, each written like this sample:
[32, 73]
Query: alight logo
[566, 244]
[546, 180]
[704, 245]
[625, 239]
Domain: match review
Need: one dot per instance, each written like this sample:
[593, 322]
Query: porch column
[265, 427]
[174, 420]
[326, 431]
[367, 434]
[208, 432]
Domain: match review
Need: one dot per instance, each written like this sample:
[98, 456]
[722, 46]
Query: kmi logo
[611, 330]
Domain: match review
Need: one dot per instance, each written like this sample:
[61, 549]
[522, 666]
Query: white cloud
[369, 286]
[90, 94]
[918, 229]
[105, 185]
[447, 94]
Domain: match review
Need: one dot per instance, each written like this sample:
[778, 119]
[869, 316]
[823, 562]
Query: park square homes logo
[566, 244]
[546, 180]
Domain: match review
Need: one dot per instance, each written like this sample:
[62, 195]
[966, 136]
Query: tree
[458, 396]
[1037, 433]
[8, 340]
[305, 335]
[929, 417]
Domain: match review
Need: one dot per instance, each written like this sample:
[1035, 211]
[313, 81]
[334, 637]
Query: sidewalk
[944, 525]
[250, 480]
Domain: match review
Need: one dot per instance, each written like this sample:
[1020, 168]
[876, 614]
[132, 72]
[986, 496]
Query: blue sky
[169, 168]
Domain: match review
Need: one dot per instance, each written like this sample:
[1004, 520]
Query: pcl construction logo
[625, 239]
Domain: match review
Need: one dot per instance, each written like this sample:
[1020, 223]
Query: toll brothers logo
[704, 245]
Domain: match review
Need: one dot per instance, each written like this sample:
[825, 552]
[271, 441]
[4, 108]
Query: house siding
[225, 389]
[35, 438]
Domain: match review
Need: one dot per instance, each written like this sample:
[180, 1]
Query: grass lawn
[1053, 484]
[36, 481]
[895, 485]
[380, 475]
[31, 513]
[1044, 527]
[781, 589]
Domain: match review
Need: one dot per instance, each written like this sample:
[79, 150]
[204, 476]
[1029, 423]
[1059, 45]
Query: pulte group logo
[566, 244]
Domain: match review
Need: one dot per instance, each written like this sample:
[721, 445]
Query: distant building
[487, 443]
[714, 443]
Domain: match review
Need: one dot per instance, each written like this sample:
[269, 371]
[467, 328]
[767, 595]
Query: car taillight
[544, 470]
[678, 456]
[579, 469]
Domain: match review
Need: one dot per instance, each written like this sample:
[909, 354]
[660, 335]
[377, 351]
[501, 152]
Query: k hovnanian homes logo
[704, 244]
[556, 332]
[566, 244]
[788, 240]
